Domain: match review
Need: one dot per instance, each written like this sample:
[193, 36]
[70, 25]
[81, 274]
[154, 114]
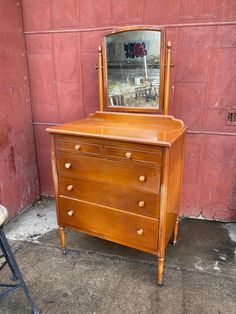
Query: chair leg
[14, 274]
[15, 269]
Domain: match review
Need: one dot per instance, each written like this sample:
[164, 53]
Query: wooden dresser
[118, 176]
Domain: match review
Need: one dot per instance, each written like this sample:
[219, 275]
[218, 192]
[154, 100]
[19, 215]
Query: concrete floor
[97, 276]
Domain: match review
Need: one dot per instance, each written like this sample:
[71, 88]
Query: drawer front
[109, 172]
[138, 202]
[153, 157]
[110, 224]
[79, 146]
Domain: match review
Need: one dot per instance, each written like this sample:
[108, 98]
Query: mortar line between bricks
[113, 256]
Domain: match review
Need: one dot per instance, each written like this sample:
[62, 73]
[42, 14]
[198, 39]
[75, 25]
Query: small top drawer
[79, 146]
[133, 154]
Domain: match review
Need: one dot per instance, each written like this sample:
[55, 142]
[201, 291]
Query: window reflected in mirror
[133, 69]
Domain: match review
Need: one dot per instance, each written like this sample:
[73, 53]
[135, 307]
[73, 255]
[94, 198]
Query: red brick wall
[19, 184]
[64, 87]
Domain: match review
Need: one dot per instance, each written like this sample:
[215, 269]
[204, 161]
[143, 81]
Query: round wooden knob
[142, 178]
[141, 204]
[77, 147]
[69, 187]
[70, 213]
[140, 231]
[128, 155]
[67, 165]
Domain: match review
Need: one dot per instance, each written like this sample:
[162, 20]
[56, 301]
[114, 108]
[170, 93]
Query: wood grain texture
[55, 173]
[163, 209]
[100, 78]
[134, 155]
[117, 226]
[123, 182]
[111, 196]
[174, 185]
[79, 146]
[109, 172]
[129, 127]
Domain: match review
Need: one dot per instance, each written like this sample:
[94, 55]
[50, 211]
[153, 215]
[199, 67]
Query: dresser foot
[62, 240]
[176, 231]
[160, 271]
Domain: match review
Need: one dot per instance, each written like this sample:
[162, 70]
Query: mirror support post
[100, 78]
[167, 80]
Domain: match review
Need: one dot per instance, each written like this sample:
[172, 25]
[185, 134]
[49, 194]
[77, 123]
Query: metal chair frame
[17, 276]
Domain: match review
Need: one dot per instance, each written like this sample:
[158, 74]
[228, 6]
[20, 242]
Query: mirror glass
[133, 69]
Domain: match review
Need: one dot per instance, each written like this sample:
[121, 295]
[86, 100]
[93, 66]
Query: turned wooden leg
[62, 240]
[176, 231]
[160, 270]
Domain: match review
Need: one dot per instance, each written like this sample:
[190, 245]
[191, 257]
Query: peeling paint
[215, 267]
[17, 149]
[222, 258]
[200, 217]
[231, 227]
[198, 264]
[5, 130]
[12, 159]
[32, 224]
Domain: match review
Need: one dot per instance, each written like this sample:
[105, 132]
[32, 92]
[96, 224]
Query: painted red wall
[19, 184]
[62, 37]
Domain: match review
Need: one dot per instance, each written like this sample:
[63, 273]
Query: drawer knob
[67, 165]
[70, 213]
[142, 178]
[77, 147]
[141, 204]
[140, 231]
[69, 187]
[128, 155]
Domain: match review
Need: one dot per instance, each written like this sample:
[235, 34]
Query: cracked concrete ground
[97, 276]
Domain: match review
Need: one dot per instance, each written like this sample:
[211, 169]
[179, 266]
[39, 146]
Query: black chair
[11, 262]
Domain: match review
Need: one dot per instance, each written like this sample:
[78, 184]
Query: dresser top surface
[139, 128]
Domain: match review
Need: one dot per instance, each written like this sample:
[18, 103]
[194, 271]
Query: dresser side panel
[55, 174]
[174, 186]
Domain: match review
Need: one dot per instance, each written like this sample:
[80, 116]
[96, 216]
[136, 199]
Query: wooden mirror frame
[164, 77]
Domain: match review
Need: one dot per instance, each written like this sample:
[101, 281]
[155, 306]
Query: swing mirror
[133, 70]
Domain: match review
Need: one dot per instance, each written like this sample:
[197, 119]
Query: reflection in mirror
[133, 69]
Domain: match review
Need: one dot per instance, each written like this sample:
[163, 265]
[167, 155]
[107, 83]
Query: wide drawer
[109, 171]
[114, 225]
[79, 146]
[138, 202]
[130, 154]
